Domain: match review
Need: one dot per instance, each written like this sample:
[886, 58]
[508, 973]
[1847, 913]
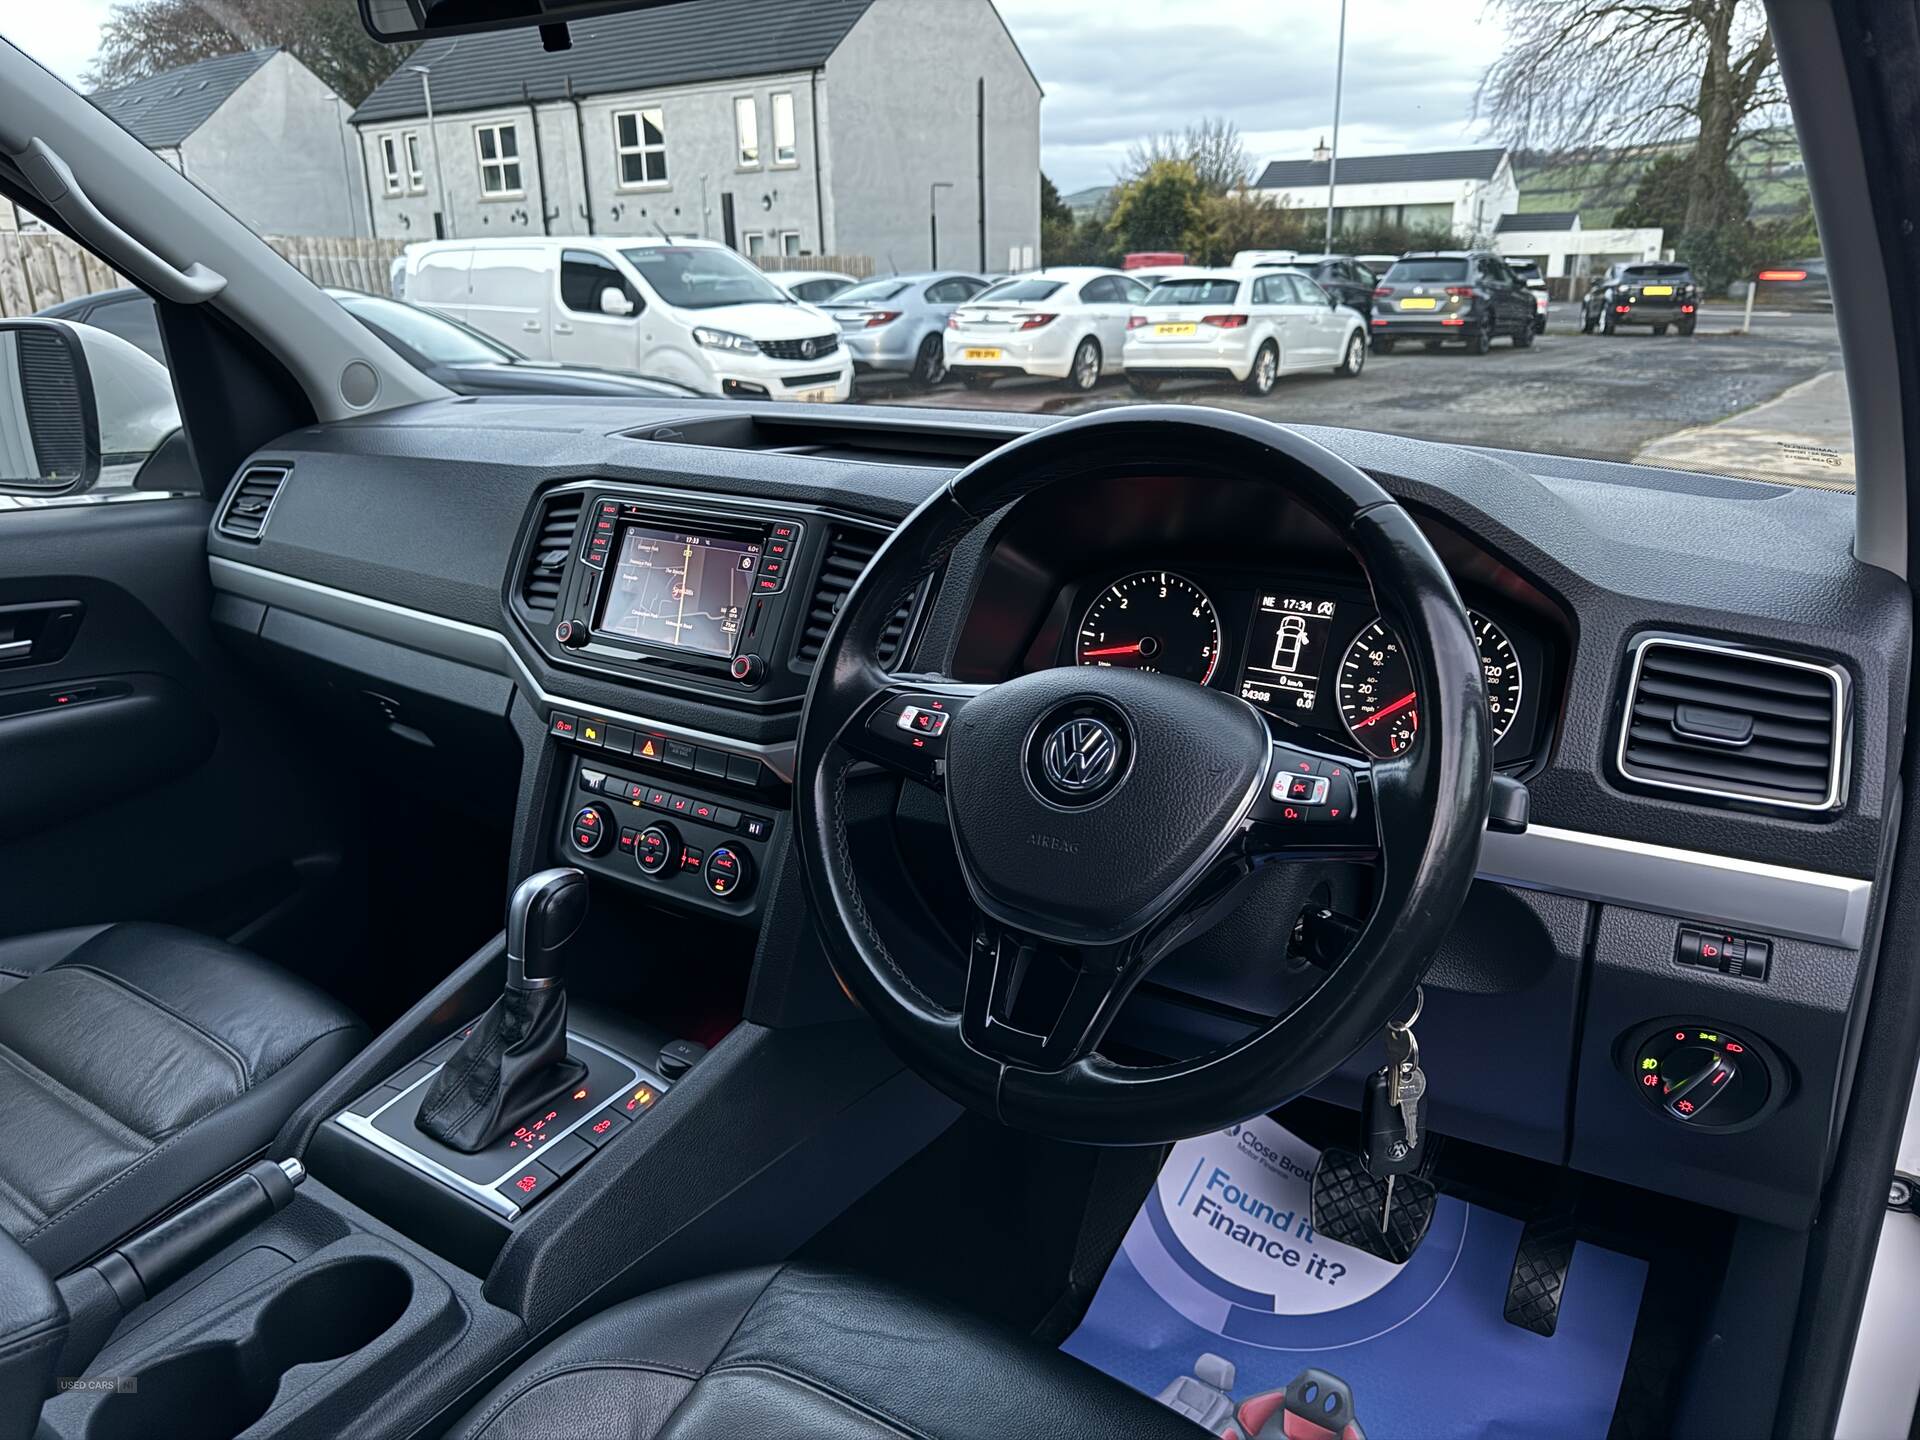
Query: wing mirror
[614, 301]
[76, 402]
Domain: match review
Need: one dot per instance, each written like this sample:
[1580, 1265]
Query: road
[1574, 394]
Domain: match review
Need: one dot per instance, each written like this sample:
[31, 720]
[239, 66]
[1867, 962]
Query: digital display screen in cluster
[1286, 652]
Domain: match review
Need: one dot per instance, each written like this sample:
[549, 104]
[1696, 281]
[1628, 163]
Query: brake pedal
[1540, 1273]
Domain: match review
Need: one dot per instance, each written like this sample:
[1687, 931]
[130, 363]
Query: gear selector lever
[516, 1059]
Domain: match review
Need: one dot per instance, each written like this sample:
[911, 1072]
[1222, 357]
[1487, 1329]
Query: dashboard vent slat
[547, 555]
[244, 516]
[1735, 724]
[849, 552]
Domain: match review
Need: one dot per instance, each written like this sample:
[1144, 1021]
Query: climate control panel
[686, 844]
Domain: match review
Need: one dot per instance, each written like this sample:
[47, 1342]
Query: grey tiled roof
[641, 50]
[1384, 169]
[1537, 220]
[165, 109]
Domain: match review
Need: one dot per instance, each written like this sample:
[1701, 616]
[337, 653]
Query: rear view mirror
[77, 406]
[49, 421]
[399, 21]
[613, 301]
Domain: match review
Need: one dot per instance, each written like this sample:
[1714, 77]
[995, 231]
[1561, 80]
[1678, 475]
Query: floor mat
[1223, 1304]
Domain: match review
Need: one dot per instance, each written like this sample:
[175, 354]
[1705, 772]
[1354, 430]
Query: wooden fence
[40, 268]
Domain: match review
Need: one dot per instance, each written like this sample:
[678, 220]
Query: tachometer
[1152, 620]
[1377, 698]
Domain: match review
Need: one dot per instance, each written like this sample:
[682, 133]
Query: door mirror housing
[77, 404]
[614, 301]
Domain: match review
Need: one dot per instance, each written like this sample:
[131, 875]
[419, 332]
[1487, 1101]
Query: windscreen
[425, 333]
[1431, 272]
[869, 292]
[701, 278]
[1024, 291]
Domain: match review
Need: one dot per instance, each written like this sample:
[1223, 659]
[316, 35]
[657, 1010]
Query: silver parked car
[894, 326]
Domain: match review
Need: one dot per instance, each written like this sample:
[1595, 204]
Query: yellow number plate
[1176, 329]
[1425, 302]
[979, 354]
[825, 392]
[1657, 290]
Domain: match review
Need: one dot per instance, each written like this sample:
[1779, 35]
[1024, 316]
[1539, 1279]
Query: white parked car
[1067, 323]
[1261, 259]
[1249, 327]
[688, 311]
[811, 286]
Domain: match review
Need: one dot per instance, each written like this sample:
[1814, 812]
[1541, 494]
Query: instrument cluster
[1314, 654]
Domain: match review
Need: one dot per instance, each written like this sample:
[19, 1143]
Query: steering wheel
[1101, 816]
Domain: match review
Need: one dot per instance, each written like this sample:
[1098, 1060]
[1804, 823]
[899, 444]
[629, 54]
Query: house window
[416, 175]
[789, 242]
[499, 160]
[390, 162]
[756, 244]
[640, 147]
[783, 151]
[746, 130]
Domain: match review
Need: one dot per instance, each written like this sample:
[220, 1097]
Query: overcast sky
[1117, 70]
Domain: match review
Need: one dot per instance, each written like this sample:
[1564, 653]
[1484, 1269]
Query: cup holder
[215, 1390]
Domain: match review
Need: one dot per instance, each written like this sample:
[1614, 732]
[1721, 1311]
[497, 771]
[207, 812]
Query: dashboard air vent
[1735, 724]
[547, 556]
[244, 517]
[849, 552]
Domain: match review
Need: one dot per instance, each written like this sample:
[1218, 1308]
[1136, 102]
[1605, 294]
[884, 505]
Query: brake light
[1224, 322]
[1783, 274]
[1134, 322]
[1033, 320]
[1686, 309]
[1381, 323]
[882, 317]
[1460, 292]
[1380, 292]
[1454, 320]
[953, 322]
[1621, 309]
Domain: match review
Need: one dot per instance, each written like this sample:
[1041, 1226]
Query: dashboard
[621, 601]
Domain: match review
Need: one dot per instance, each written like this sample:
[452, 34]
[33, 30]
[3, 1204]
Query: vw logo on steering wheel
[1081, 756]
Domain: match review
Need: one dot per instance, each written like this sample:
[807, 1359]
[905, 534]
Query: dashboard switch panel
[1702, 1075]
[1745, 957]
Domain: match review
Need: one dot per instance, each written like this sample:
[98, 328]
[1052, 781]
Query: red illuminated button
[604, 1126]
[655, 850]
[638, 1100]
[527, 1184]
[680, 804]
[783, 532]
[565, 726]
[766, 583]
[657, 799]
[703, 809]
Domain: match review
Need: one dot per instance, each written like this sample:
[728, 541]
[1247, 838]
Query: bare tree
[1212, 148]
[144, 37]
[1637, 74]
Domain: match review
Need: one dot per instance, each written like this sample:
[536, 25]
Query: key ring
[1419, 1001]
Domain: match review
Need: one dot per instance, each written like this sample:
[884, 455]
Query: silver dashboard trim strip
[1716, 889]
[363, 1126]
[454, 640]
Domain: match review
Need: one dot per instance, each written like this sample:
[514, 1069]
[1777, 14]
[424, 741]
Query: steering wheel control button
[923, 722]
[1702, 1076]
[725, 872]
[1745, 957]
[1300, 789]
[657, 850]
[591, 831]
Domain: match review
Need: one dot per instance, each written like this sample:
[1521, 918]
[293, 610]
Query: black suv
[1437, 296]
[1343, 277]
[1644, 294]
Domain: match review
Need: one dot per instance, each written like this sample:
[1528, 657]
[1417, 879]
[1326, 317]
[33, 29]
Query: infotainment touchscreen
[679, 590]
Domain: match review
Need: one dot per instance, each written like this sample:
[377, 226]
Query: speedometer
[1152, 620]
[1377, 698]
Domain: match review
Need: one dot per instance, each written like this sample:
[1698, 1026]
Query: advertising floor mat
[1224, 1305]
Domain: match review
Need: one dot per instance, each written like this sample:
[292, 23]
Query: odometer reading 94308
[1152, 620]
[1377, 698]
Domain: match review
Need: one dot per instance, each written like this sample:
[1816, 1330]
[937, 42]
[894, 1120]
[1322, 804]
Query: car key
[1387, 1153]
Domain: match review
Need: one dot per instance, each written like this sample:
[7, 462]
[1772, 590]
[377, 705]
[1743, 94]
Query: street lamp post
[442, 210]
[1333, 154]
[933, 221]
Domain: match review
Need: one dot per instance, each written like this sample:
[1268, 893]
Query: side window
[1263, 291]
[971, 287]
[950, 291]
[133, 320]
[1098, 291]
[583, 275]
[1133, 292]
[1310, 293]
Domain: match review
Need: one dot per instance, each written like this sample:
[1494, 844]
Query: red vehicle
[1152, 259]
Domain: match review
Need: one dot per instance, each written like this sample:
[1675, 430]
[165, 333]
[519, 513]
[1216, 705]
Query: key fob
[1383, 1131]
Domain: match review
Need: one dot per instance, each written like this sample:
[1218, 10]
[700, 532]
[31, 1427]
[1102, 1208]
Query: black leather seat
[788, 1350]
[137, 1063]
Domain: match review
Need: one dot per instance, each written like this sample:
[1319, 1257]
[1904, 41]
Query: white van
[689, 311]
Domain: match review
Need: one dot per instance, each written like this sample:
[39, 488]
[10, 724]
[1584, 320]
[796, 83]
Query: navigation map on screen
[686, 591]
